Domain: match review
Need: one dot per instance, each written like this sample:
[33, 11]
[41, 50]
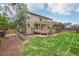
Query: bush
[5, 23]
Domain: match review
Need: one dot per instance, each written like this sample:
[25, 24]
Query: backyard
[66, 43]
[36, 35]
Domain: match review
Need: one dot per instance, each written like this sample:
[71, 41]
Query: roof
[39, 15]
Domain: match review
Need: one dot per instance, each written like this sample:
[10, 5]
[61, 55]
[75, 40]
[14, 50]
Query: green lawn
[62, 44]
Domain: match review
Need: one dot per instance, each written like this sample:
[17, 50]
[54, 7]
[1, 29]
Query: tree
[76, 27]
[18, 14]
[21, 23]
[5, 25]
[59, 27]
[4, 22]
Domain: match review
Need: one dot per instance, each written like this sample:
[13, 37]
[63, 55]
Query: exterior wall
[39, 20]
[32, 19]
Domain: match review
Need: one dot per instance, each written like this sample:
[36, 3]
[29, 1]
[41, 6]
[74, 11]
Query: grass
[60, 45]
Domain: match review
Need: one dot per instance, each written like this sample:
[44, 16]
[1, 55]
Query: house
[39, 24]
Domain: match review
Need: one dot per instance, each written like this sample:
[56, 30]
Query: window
[40, 19]
[28, 17]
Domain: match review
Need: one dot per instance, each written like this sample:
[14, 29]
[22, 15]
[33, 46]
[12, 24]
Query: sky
[60, 12]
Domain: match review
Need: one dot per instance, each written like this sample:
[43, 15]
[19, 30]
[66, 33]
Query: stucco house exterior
[39, 24]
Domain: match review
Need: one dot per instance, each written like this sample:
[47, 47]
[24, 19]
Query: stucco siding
[42, 22]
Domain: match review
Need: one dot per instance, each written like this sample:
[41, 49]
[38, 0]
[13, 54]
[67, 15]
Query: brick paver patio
[11, 46]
